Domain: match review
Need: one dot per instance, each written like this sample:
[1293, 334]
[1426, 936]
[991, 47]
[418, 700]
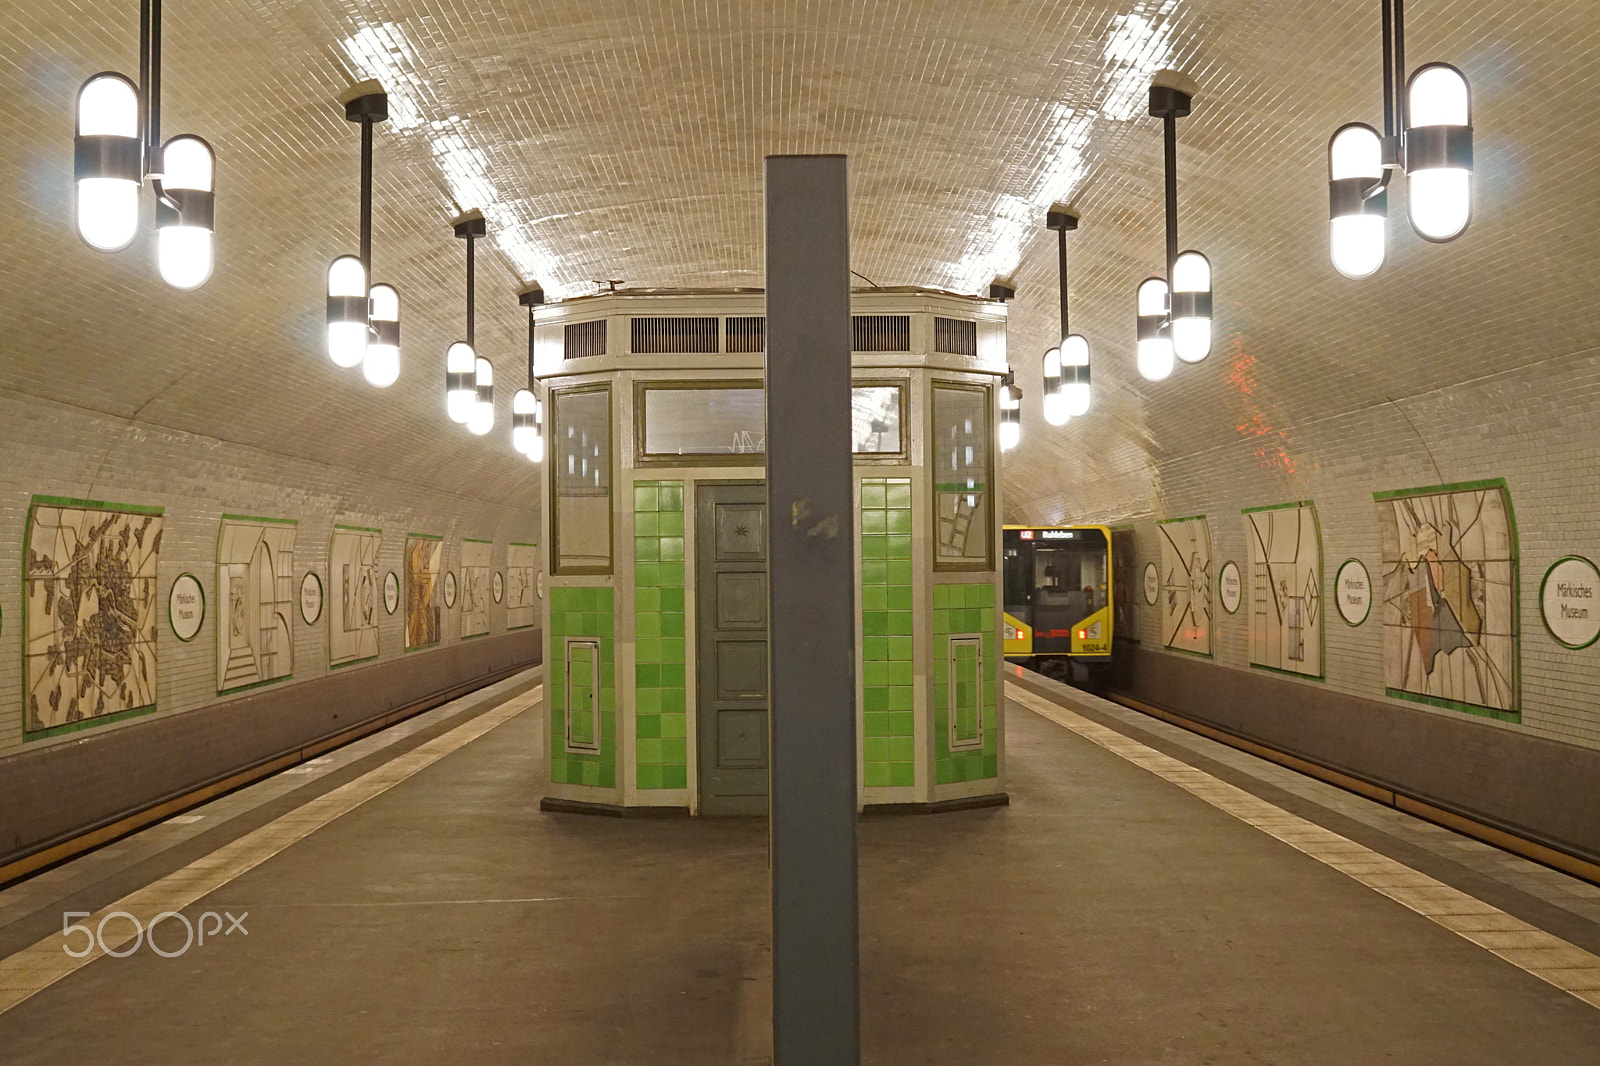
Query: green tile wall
[964, 610]
[660, 710]
[584, 613]
[888, 684]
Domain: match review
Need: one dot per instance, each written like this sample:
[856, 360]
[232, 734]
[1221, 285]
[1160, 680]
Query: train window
[581, 453]
[961, 476]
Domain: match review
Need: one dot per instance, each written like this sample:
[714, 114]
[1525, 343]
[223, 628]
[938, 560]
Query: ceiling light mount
[468, 377]
[1066, 392]
[364, 318]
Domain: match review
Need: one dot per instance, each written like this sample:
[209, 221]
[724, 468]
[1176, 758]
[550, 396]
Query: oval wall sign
[391, 592]
[1229, 587]
[186, 607]
[1570, 599]
[1152, 583]
[498, 587]
[311, 597]
[449, 588]
[1352, 591]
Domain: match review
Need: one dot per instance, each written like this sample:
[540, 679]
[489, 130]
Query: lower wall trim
[153, 769]
[1526, 794]
[960, 803]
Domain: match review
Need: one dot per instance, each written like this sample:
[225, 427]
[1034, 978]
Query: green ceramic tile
[873, 493]
[898, 493]
[674, 777]
[649, 776]
[903, 775]
[645, 497]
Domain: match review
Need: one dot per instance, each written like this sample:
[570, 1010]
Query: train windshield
[1056, 578]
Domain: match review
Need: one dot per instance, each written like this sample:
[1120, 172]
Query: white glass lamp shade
[1439, 152]
[109, 162]
[347, 319]
[1010, 434]
[184, 235]
[1075, 372]
[1154, 355]
[1191, 307]
[523, 427]
[460, 391]
[535, 452]
[1055, 408]
[480, 419]
[1009, 401]
[1356, 221]
[381, 365]
[1052, 364]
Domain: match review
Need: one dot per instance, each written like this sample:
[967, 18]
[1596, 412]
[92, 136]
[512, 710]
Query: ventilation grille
[880, 333]
[954, 336]
[747, 333]
[674, 336]
[584, 339]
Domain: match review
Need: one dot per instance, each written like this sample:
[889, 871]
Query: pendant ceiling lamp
[1174, 312]
[117, 146]
[1066, 394]
[461, 362]
[363, 318]
[527, 411]
[1010, 412]
[1427, 132]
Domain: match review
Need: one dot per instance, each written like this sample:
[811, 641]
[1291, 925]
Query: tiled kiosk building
[656, 539]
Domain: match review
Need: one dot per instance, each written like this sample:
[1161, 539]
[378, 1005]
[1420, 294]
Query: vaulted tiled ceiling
[624, 141]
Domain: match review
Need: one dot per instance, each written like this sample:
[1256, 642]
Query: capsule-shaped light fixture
[1075, 375]
[480, 419]
[1010, 413]
[1055, 402]
[460, 390]
[1191, 307]
[1358, 202]
[536, 450]
[381, 365]
[186, 212]
[524, 421]
[108, 162]
[1154, 335]
[347, 311]
[1438, 151]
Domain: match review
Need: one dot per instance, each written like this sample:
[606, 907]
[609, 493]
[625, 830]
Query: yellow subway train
[1060, 599]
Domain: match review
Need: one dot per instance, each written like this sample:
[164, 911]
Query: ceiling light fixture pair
[1066, 367]
[117, 146]
[364, 319]
[1175, 319]
[527, 410]
[468, 377]
[1427, 132]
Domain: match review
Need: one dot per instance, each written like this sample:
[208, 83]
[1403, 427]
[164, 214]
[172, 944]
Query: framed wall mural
[258, 597]
[90, 608]
[475, 591]
[424, 561]
[1449, 597]
[1286, 601]
[1185, 594]
[353, 573]
[522, 596]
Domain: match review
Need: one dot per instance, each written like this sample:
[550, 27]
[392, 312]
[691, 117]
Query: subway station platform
[1149, 896]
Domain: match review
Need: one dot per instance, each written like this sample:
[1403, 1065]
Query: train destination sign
[1570, 599]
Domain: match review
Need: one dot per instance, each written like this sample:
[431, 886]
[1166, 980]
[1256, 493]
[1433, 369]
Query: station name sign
[1048, 534]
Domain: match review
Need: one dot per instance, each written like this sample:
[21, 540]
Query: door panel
[731, 667]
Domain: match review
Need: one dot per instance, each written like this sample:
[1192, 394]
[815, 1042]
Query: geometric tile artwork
[256, 600]
[1285, 588]
[966, 734]
[1449, 583]
[353, 571]
[522, 595]
[90, 609]
[1186, 585]
[424, 562]
[475, 562]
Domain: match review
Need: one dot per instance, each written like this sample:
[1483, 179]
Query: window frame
[965, 565]
[552, 499]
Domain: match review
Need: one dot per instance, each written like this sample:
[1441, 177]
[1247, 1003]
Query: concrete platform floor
[1106, 916]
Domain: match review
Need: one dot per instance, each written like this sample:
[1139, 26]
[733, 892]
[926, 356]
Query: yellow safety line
[46, 962]
[1547, 957]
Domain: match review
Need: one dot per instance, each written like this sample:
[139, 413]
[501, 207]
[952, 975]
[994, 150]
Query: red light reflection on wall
[1271, 453]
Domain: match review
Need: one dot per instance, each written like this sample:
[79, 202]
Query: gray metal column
[816, 1011]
